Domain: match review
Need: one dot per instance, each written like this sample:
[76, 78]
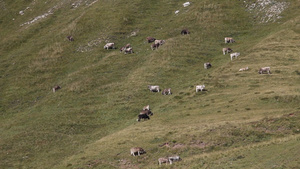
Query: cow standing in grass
[55, 88]
[264, 70]
[128, 50]
[163, 160]
[229, 40]
[109, 46]
[160, 42]
[122, 49]
[166, 91]
[243, 69]
[150, 39]
[137, 151]
[234, 55]
[174, 158]
[153, 88]
[226, 50]
[207, 65]
[200, 87]
[70, 38]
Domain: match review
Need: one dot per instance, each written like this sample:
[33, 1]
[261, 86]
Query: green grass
[242, 118]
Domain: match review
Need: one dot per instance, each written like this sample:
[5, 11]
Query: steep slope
[91, 121]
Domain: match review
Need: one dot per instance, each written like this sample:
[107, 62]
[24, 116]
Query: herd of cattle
[145, 113]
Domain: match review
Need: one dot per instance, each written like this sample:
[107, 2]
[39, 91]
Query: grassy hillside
[243, 120]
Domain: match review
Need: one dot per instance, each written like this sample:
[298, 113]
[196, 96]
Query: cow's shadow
[204, 90]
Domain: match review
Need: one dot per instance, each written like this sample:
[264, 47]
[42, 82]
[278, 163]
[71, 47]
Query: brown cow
[150, 39]
[70, 38]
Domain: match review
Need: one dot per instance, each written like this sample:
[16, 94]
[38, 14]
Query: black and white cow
[153, 88]
[229, 40]
[226, 50]
[207, 65]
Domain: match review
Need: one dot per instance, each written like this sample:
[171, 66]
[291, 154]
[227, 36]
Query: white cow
[163, 160]
[153, 88]
[243, 69]
[236, 54]
[160, 42]
[186, 4]
[109, 46]
[200, 87]
[229, 40]
[264, 69]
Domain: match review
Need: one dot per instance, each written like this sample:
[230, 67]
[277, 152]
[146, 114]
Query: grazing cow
[229, 40]
[146, 107]
[137, 150]
[166, 91]
[56, 88]
[109, 46]
[185, 32]
[128, 50]
[154, 46]
[70, 38]
[264, 69]
[243, 69]
[142, 116]
[176, 12]
[174, 158]
[232, 55]
[200, 87]
[163, 160]
[160, 42]
[148, 112]
[226, 50]
[207, 65]
[186, 4]
[153, 88]
[150, 39]
[125, 47]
